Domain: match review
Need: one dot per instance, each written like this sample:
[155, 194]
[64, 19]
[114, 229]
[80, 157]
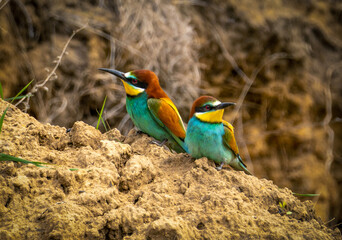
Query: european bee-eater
[208, 135]
[150, 109]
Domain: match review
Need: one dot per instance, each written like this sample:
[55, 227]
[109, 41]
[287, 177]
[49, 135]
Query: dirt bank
[107, 186]
[288, 127]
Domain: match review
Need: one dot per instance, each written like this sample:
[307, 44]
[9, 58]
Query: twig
[191, 2]
[112, 41]
[53, 72]
[123, 122]
[21, 44]
[59, 110]
[248, 80]
[248, 83]
[27, 17]
[114, 111]
[105, 36]
[243, 145]
[328, 116]
[329, 221]
[4, 4]
[336, 225]
[230, 58]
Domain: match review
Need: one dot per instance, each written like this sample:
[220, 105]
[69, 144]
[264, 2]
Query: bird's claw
[219, 167]
[160, 144]
[139, 132]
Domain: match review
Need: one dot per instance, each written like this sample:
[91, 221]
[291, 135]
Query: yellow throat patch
[131, 90]
[211, 117]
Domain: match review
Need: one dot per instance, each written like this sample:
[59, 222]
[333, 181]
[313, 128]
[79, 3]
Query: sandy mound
[107, 186]
[288, 127]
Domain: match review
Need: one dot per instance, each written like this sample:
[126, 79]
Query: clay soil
[289, 125]
[108, 186]
[118, 185]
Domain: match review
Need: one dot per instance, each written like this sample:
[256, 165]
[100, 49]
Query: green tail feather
[238, 165]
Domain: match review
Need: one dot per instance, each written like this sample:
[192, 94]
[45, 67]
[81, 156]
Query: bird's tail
[178, 145]
[238, 165]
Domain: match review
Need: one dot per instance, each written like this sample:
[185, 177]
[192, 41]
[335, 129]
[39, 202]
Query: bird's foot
[139, 132]
[220, 167]
[160, 144]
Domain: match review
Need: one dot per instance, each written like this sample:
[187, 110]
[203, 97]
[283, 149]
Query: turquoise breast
[140, 114]
[205, 140]
[142, 118]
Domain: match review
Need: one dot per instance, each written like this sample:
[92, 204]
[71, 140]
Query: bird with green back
[208, 135]
[150, 108]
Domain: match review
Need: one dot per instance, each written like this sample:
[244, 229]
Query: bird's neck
[203, 126]
[155, 91]
[140, 95]
[210, 117]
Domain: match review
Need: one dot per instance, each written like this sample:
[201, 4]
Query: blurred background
[281, 61]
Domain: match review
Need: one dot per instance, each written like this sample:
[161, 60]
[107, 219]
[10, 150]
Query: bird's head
[209, 109]
[138, 81]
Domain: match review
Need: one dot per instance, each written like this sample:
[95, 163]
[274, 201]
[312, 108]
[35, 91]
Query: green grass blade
[9, 158]
[15, 98]
[22, 91]
[12, 99]
[3, 117]
[103, 122]
[100, 117]
[306, 194]
[1, 92]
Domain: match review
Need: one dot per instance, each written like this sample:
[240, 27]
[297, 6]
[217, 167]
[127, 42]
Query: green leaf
[103, 122]
[1, 92]
[3, 117]
[16, 97]
[100, 117]
[9, 158]
[12, 99]
[19, 97]
[306, 194]
[289, 213]
[73, 169]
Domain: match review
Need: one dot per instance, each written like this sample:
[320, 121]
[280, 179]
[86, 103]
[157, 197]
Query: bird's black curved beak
[224, 105]
[114, 72]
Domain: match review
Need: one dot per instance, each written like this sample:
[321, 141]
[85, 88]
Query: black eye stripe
[204, 108]
[136, 82]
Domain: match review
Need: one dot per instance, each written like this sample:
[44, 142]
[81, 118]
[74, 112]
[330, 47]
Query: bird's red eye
[134, 81]
[207, 107]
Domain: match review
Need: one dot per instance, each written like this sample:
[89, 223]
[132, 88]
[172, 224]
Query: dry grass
[146, 39]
